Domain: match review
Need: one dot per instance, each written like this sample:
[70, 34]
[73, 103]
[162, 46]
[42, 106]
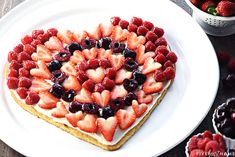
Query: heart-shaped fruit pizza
[99, 86]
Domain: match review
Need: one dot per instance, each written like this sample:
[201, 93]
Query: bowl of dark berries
[216, 17]
[224, 122]
[206, 144]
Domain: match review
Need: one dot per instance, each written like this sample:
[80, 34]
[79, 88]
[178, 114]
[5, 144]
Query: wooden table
[219, 43]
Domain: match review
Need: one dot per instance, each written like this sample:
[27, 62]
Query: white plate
[183, 108]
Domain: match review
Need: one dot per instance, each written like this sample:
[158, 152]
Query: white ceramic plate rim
[28, 144]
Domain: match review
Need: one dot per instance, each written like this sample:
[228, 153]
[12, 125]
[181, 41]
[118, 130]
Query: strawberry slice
[143, 98]
[102, 98]
[39, 84]
[96, 34]
[60, 111]
[84, 96]
[66, 37]
[72, 83]
[150, 66]
[107, 127]
[118, 91]
[42, 53]
[133, 41]
[96, 75]
[73, 118]
[121, 75]
[88, 124]
[104, 54]
[77, 57]
[117, 61]
[90, 54]
[141, 56]
[139, 109]
[151, 86]
[125, 118]
[48, 101]
[119, 34]
[69, 69]
[42, 71]
[54, 44]
[106, 30]
[78, 37]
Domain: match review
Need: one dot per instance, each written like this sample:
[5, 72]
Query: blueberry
[73, 47]
[117, 47]
[75, 107]
[130, 85]
[63, 56]
[91, 108]
[139, 77]
[129, 53]
[229, 81]
[88, 43]
[129, 98]
[130, 64]
[105, 112]
[69, 95]
[58, 76]
[54, 65]
[104, 43]
[57, 90]
[117, 104]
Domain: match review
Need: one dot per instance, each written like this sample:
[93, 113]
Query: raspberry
[197, 153]
[43, 37]
[99, 88]
[149, 46]
[151, 36]
[124, 24]
[160, 76]
[115, 20]
[15, 65]
[28, 64]
[212, 146]
[111, 73]
[142, 30]
[26, 39]
[13, 73]
[170, 73]
[23, 56]
[168, 64]
[18, 48]
[105, 63]
[220, 140]
[12, 55]
[22, 92]
[231, 65]
[148, 25]
[158, 31]
[208, 134]
[35, 33]
[160, 41]
[160, 58]
[32, 98]
[82, 77]
[172, 57]
[193, 143]
[93, 63]
[52, 31]
[132, 28]
[162, 50]
[202, 143]
[23, 72]
[223, 57]
[108, 83]
[24, 82]
[137, 21]
[89, 85]
[83, 66]
[35, 43]
[29, 49]
[12, 82]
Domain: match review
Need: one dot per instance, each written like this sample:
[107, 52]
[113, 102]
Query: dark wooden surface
[219, 43]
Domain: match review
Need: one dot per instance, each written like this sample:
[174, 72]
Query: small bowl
[213, 25]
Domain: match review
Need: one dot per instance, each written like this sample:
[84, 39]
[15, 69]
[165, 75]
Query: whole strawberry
[226, 8]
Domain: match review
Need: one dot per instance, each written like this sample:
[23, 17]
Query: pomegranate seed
[22, 92]
[13, 73]
[26, 39]
[99, 88]
[137, 21]
[28, 64]
[158, 31]
[23, 56]
[108, 83]
[89, 85]
[142, 30]
[35, 33]
[35, 43]
[23, 72]
[148, 25]
[52, 31]
[124, 24]
[149, 46]
[162, 49]
[105, 63]
[132, 28]
[19, 48]
[12, 55]
[160, 58]
[12, 82]
[15, 65]
[32, 98]
[93, 63]
[24, 82]
[151, 36]
[170, 73]
[160, 41]
[231, 65]
[115, 20]
[29, 49]
[172, 57]
[111, 73]
[160, 76]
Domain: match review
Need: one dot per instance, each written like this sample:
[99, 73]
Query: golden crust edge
[81, 135]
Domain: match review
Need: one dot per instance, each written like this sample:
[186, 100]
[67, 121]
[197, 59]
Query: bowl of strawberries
[216, 17]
